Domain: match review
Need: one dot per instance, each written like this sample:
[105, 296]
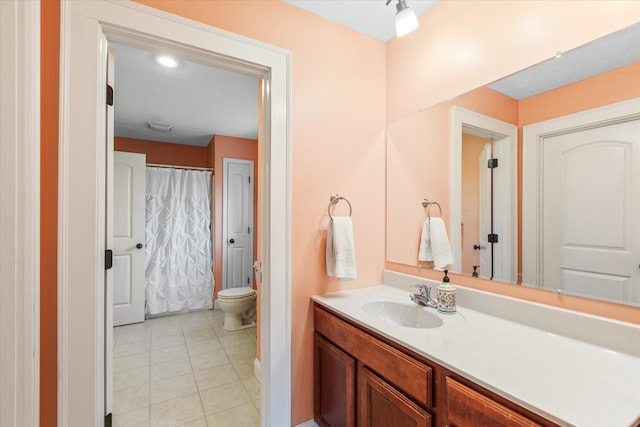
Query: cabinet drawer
[467, 407]
[408, 375]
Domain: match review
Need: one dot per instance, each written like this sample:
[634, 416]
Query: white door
[484, 214]
[591, 223]
[128, 237]
[237, 223]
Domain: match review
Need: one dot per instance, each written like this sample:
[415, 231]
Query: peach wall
[165, 153]
[607, 88]
[470, 206]
[462, 45]
[236, 148]
[418, 164]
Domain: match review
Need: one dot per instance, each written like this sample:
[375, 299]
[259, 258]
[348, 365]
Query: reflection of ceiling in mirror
[604, 54]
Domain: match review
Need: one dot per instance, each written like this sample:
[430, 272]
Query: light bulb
[406, 20]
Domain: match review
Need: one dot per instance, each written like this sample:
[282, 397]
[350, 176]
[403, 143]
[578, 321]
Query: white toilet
[238, 305]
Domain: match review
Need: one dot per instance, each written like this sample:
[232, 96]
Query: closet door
[128, 237]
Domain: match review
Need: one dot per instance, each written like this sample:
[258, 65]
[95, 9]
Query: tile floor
[184, 370]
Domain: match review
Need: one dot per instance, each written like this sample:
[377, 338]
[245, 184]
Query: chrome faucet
[424, 296]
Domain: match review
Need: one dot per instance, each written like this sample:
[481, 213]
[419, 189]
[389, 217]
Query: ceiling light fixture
[406, 20]
[159, 127]
[166, 61]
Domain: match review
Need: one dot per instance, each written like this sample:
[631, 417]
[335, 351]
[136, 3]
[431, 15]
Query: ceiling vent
[159, 127]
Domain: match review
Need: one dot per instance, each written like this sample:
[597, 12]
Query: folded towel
[341, 256]
[434, 243]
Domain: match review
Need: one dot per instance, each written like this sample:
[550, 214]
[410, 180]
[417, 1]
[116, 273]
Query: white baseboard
[257, 369]
[309, 423]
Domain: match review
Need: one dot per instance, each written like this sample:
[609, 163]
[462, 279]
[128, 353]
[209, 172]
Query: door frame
[533, 137]
[20, 213]
[85, 28]
[507, 210]
[225, 206]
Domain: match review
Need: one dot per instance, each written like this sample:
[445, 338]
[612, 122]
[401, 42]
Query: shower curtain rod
[156, 165]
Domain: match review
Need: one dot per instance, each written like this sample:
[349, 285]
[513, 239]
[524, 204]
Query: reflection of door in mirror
[587, 170]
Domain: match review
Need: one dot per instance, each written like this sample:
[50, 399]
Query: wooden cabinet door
[334, 385]
[468, 408]
[380, 405]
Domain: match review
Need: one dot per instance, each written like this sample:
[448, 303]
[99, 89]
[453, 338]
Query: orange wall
[49, 78]
[165, 153]
[236, 148]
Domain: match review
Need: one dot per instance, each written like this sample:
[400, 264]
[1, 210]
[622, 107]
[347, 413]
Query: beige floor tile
[131, 398]
[241, 351]
[166, 341]
[235, 339]
[133, 361]
[216, 376]
[257, 404]
[173, 368]
[227, 396]
[135, 418]
[132, 337]
[205, 346]
[221, 332]
[167, 330]
[252, 332]
[200, 334]
[131, 378]
[128, 349]
[202, 422]
[171, 388]
[252, 385]
[244, 367]
[209, 360]
[167, 354]
[244, 415]
[175, 412]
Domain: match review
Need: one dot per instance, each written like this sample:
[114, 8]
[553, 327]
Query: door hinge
[492, 238]
[249, 179]
[492, 163]
[109, 95]
[108, 259]
[248, 280]
[248, 230]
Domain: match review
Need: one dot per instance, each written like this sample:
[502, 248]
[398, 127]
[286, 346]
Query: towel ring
[427, 204]
[334, 199]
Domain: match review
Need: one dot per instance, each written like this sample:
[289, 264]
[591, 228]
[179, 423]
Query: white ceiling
[200, 101]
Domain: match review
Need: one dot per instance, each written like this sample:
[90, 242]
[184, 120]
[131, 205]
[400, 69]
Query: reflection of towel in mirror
[341, 256]
[434, 243]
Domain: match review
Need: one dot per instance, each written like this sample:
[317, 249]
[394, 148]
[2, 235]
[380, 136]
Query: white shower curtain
[178, 268]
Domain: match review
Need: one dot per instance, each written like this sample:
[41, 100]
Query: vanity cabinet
[363, 379]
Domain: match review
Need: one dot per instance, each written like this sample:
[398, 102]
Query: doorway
[501, 218]
[85, 31]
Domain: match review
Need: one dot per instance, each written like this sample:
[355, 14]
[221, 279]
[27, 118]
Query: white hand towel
[341, 256]
[434, 243]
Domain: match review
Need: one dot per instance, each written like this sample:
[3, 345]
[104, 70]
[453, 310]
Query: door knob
[139, 246]
[231, 241]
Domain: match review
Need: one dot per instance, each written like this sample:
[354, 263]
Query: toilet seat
[235, 293]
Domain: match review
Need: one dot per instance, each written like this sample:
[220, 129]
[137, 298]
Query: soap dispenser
[446, 296]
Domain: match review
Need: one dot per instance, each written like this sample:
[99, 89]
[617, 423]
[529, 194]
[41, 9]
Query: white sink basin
[409, 314]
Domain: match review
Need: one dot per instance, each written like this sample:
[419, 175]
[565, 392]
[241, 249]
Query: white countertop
[566, 380]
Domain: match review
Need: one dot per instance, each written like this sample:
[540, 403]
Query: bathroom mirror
[440, 154]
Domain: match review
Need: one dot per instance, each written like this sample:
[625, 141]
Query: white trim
[19, 212]
[81, 210]
[533, 137]
[509, 190]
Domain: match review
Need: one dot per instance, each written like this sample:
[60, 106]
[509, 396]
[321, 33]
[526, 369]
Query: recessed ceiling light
[166, 61]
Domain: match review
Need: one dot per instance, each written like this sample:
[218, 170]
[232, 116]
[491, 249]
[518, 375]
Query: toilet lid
[236, 292]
